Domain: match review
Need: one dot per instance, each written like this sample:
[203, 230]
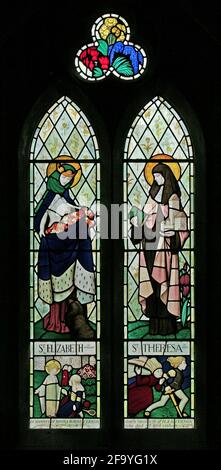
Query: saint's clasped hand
[135, 212]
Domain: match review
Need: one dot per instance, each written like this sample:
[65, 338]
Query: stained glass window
[159, 319]
[111, 51]
[64, 271]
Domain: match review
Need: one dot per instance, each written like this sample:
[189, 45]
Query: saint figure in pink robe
[162, 230]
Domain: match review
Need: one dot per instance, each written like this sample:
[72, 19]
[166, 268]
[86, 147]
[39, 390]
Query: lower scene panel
[159, 384]
[64, 384]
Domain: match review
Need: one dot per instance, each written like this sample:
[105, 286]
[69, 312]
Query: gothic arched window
[159, 270]
[64, 271]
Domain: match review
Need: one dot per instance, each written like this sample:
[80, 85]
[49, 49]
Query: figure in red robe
[140, 391]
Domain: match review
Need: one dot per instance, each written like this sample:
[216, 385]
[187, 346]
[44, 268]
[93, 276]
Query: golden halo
[54, 166]
[174, 166]
[52, 364]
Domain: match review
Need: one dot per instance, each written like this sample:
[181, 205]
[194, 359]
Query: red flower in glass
[87, 404]
[104, 62]
[185, 284]
[91, 57]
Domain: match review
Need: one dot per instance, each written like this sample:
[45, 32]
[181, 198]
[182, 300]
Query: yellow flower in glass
[112, 31]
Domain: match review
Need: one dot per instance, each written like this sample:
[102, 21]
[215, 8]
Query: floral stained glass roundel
[111, 51]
